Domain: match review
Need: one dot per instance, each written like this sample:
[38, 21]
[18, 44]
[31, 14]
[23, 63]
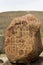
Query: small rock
[22, 39]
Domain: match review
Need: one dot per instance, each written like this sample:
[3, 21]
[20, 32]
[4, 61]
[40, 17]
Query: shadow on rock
[38, 62]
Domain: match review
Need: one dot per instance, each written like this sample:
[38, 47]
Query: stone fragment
[22, 39]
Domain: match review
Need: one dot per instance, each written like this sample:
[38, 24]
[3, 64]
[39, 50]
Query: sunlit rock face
[22, 39]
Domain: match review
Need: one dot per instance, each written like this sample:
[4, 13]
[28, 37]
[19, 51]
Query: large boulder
[22, 39]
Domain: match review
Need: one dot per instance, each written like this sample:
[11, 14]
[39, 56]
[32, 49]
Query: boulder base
[22, 39]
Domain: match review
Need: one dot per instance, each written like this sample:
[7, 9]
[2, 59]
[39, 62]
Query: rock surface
[22, 39]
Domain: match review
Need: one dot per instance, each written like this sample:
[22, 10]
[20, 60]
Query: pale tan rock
[22, 39]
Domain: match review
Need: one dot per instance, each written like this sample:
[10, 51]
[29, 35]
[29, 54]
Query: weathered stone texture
[22, 39]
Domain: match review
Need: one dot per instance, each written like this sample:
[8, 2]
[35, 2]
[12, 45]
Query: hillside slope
[6, 18]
